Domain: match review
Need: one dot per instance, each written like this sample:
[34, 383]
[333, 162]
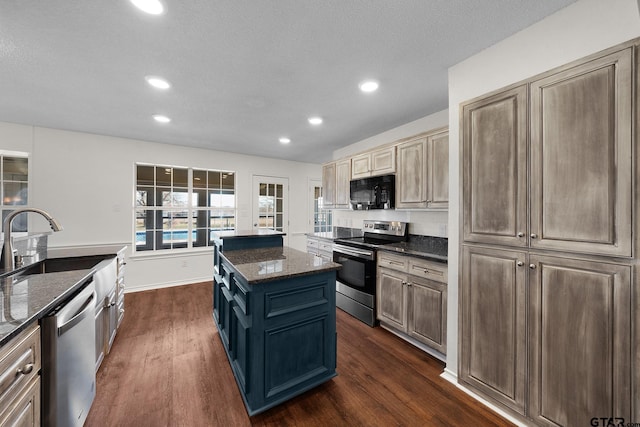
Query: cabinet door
[438, 171]
[428, 312]
[343, 173]
[383, 162]
[581, 158]
[493, 357]
[328, 185]
[25, 410]
[580, 341]
[411, 185]
[360, 166]
[495, 169]
[392, 298]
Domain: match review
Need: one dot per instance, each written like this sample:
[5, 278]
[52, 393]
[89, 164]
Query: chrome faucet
[9, 261]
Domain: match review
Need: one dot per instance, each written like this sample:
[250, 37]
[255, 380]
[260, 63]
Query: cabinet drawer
[240, 296]
[325, 247]
[312, 243]
[395, 262]
[428, 270]
[19, 363]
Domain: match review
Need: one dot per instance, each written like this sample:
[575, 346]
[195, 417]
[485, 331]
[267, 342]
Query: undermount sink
[55, 265]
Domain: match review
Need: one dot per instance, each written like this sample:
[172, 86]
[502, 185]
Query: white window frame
[202, 240]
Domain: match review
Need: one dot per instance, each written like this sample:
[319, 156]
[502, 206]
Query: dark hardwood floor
[167, 367]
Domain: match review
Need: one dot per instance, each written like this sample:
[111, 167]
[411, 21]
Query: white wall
[429, 223]
[87, 182]
[582, 28]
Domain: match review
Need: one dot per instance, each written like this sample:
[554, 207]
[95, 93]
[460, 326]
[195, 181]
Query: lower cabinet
[412, 298]
[20, 362]
[547, 336]
[494, 324]
[279, 336]
[320, 247]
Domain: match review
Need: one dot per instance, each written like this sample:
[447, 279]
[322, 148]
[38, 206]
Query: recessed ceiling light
[369, 86]
[161, 119]
[158, 82]
[284, 140]
[152, 7]
[315, 120]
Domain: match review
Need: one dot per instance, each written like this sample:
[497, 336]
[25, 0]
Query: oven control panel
[393, 228]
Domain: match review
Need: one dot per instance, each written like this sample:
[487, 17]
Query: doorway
[271, 204]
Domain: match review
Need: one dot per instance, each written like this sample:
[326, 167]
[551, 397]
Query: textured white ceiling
[244, 72]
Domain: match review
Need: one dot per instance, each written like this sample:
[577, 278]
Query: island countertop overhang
[276, 263]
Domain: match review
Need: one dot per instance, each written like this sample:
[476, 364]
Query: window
[322, 220]
[181, 207]
[14, 186]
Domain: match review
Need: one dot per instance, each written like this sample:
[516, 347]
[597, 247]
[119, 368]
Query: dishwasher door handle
[84, 311]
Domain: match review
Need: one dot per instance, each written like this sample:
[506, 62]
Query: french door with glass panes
[270, 203]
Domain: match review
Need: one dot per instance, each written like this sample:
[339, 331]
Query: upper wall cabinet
[422, 180]
[579, 156]
[335, 184]
[378, 162]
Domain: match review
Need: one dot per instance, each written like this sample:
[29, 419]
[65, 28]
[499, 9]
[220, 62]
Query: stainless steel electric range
[356, 280]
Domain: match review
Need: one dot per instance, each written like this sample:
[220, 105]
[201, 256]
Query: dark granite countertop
[337, 233]
[26, 298]
[427, 247]
[247, 233]
[276, 263]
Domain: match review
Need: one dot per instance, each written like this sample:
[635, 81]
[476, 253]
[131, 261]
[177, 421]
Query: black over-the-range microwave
[376, 192]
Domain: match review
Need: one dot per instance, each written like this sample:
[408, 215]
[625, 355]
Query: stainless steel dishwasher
[68, 362]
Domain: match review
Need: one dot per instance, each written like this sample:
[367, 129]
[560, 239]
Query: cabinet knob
[521, 234]
[533, 235]
[26, 369]
[429, 201]
[532, 266]
[519, 263]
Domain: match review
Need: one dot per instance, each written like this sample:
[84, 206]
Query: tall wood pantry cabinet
[548, 308]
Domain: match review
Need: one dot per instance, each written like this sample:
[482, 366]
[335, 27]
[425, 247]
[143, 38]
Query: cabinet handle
[533, 235]
[404, 283]
[26, 369]
[532, 266]
[409, 283]
[429, 201]
[395, 262]
[519, 263]
[521, 234]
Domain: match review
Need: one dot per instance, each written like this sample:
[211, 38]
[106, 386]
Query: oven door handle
[353, 252]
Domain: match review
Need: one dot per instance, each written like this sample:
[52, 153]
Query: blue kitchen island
[275, 311]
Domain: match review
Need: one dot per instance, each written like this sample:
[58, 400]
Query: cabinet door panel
[383, 162]
[581, 158]
[580, 341]
[392, 298]
[495, 168]
[493, 330]
[411, 186]
[329, 185]
[438, 171]
[343, 176]
[428, 308]
[360, 167]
